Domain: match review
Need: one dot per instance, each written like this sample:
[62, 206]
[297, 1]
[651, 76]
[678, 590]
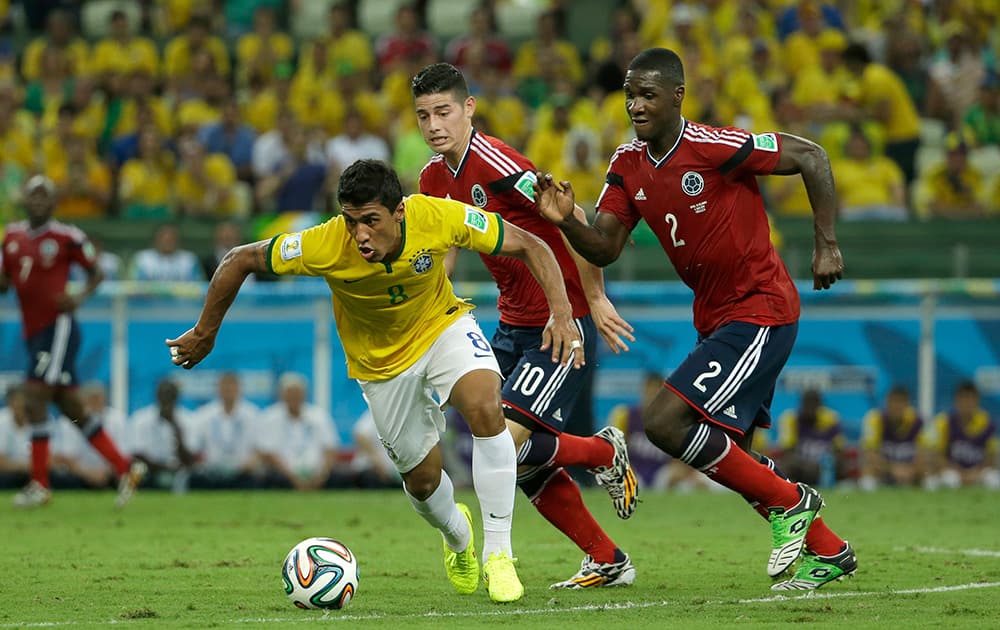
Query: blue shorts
[536, 391]
[52, 353]
[730, 375]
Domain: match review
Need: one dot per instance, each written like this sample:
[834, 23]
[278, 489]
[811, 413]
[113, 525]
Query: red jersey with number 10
[702, 202]
[497, 178]
[37, 262]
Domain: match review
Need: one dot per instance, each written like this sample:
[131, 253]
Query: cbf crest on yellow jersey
[389, 312]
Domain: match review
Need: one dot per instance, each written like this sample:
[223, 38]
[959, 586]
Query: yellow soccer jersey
[389, 313]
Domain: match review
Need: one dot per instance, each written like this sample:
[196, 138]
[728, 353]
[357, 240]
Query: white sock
[440, 511]
[494, 475]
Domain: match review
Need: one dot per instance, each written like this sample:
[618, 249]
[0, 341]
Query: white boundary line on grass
[333, 617]
[983, 553]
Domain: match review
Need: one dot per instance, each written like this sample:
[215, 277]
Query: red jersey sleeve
[613, 198]
[82, 251]
[757, 154]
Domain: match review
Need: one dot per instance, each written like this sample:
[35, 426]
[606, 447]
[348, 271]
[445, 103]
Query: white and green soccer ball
[320, 573]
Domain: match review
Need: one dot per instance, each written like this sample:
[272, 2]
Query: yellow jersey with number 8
[388, 313]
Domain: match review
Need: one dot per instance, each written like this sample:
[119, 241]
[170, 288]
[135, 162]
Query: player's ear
[470, 105]
[679, 94]
[399, 212]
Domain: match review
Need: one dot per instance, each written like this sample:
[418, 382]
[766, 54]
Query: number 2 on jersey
[671, 220]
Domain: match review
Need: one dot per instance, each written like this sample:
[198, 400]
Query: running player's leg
[820, 539]
[463, 371]
[539, 398]
[720, 388]
[46, 350]
[407, 421]
[538, 394]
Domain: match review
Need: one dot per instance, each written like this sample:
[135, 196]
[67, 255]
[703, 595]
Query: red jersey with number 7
[702, 202]
[37, 263]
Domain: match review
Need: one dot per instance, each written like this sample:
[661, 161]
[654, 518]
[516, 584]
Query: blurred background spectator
[296, 439]
[963, 443]
[811, 442]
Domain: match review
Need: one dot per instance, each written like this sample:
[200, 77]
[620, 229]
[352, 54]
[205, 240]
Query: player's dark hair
[369, 180]
[438, 78]
[661, 60]
[856, 53]
[967, 387]
[899, 390]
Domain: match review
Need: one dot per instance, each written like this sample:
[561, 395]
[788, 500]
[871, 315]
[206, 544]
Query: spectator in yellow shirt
[15, 144]
[54, 85]
[342, 45]
[952, 189]
[540, 53]
[59, 36]
[545, 146]
[204, 182]
[145, 182]
[122, 51]
[870, 186]
[180, 52]
[583, 165]
[83, 182]
[881, 95]
[259, 51]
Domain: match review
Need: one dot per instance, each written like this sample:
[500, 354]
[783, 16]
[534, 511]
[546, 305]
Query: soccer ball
[320, 573]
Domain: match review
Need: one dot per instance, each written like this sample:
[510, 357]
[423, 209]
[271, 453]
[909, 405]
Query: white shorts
[407, 408]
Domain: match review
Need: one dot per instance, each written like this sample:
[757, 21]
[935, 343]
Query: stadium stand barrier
[854, 342]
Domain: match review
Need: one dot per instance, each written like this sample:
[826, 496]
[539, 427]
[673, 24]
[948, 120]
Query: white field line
[331, 617]
[982, 553]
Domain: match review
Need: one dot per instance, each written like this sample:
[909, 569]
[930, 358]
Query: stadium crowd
[226, 111]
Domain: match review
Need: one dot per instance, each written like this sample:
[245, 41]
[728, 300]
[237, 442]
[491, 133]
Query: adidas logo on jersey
[730, 411]
[557, 415]
[641, 195]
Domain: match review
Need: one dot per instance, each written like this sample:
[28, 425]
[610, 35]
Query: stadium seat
[96, 15]
[517, 19]
[377, 17]
[309, 19]
[449, 18]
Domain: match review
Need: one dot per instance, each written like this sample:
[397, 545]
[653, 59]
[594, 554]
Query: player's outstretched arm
[561, 332]
[600, 243]
[609, 323]
[807, 158]
[190, 348]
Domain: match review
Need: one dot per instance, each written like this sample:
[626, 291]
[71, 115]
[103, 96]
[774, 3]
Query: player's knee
[668, 422]
[422, 482]
[485, 417]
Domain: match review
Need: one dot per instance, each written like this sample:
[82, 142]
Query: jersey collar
[465, 156]
[673, 149]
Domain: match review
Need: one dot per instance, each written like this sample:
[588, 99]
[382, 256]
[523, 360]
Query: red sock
[559, 501]
[40, 460]
[590, 451]
[102, 443]
[741, 472]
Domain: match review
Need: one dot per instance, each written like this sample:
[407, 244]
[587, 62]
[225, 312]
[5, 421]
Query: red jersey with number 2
[702, 202]
[495, 177]
[37, 262]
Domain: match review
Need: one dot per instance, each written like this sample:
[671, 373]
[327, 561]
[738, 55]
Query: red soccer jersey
[37, 262]
[702, 201]
[497, 178]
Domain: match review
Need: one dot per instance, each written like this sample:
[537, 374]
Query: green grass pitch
[213, 560]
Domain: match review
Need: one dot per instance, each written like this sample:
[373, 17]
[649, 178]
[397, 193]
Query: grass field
[211, 560]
